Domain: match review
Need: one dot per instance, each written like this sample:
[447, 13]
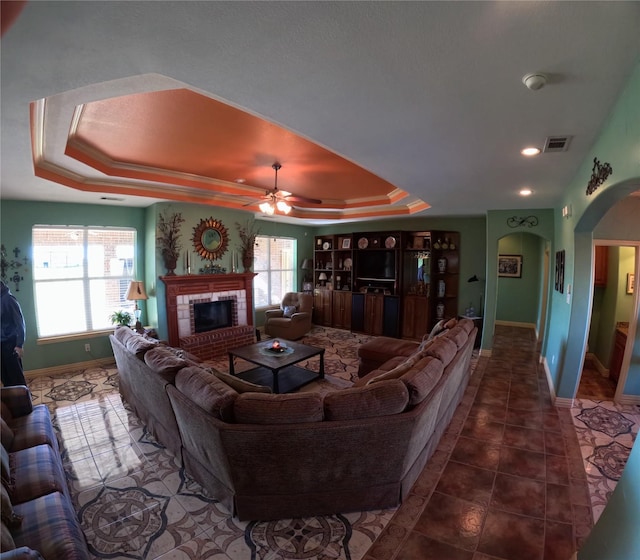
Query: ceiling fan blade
[298, 198]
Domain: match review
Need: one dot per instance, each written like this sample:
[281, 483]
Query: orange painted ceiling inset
[177, 144]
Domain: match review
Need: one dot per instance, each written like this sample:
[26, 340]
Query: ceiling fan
[278, 200]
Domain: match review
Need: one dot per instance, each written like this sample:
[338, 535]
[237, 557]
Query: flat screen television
[377, 265]
[212, 315]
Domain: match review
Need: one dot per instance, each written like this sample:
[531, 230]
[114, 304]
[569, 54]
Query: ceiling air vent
[556, 144]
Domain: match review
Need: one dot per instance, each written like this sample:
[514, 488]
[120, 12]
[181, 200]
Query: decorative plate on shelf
[347, 264]
[390, 242]
[363, 243]
[326, 245]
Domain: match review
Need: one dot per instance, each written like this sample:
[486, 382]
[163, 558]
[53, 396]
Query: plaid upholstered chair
[293, 319]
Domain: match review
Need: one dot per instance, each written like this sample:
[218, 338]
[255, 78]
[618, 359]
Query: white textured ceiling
[426, 95]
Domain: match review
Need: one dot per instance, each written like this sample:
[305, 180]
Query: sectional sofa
[271, 456]
[38, 517]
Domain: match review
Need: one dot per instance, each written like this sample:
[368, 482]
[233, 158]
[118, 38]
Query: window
[275, 259]
[81, 276]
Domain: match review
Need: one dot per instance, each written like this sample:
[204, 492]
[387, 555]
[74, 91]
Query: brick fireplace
[183, 291]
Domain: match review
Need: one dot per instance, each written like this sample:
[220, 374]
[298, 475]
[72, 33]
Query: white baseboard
[629, 399]
[55, 370]
[601, 369]
[547, 373]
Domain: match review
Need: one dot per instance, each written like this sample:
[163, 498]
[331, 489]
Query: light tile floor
[509, 459]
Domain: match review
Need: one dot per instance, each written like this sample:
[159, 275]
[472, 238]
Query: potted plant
[168, 239]
[121, 318]
[248, 235]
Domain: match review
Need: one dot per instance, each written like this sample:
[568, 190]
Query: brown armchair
[293, 319]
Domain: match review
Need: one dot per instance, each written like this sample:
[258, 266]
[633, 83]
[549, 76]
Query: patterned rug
[134, 500]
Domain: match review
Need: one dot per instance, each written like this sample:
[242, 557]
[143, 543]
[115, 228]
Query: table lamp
[137, 292]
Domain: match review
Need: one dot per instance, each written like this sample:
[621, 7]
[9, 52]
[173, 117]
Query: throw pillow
[421, 379]
[240, 385]
[394, 373]
[289, 310]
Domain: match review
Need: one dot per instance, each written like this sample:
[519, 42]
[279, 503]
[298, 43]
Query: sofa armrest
[272, 313]
[22, 553]
[301, 316]
[18, 399]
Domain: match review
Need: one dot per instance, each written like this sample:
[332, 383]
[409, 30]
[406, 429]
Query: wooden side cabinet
[415, 316]
[601, 263]
[322, 307]
[341, 309]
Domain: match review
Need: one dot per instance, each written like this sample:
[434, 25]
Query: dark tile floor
[593, 385]
[511, 485]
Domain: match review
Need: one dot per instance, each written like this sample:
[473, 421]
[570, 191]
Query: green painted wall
[18, 217]
[518, 299]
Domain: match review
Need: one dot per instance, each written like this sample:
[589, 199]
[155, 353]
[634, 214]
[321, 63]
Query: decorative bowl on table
[276, 347]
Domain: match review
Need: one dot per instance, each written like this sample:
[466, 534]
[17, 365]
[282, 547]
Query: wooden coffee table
[278, 370]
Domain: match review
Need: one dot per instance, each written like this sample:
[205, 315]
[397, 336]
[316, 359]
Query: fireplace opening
[212, 315]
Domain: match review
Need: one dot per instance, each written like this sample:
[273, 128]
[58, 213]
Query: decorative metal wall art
[12, 264]
[527, 221]
[210, 238]
[599, 174]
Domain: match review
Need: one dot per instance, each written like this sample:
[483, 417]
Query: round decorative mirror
[210, 239]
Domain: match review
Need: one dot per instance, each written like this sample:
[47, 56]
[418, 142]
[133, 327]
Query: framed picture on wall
[560, 271]
[631, 283]
[510, 266]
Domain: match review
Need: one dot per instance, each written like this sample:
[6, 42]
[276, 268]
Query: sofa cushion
[35, 471]
[207, 391]
[294, 408]
[6, 433]
[389, 365]
[240, 385]
[51, 527]
[382, 348]
[467, 324]
[34, 429]
[6, 412]
[393, 373]
[122, 334]
[139, 345]
[458, 335]
[422, 378]
[443, 349]
[164, 362]
[5, 467]
[379, 399]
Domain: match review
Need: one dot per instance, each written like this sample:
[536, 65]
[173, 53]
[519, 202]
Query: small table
[278, 370]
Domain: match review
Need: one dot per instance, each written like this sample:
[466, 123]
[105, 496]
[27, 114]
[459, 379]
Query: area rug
[135, 501]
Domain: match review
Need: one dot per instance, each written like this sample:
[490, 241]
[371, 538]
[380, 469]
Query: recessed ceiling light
[526, 191]
[531, 151]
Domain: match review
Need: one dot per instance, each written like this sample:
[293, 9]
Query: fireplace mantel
[201, 283]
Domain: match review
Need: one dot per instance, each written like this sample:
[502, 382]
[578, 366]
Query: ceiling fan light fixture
[267, 208]
[283, 207]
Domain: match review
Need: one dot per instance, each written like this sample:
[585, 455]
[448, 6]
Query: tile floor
[513, 478]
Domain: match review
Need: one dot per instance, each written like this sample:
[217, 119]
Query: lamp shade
[322, 276]
[307, 264]
[136, 291]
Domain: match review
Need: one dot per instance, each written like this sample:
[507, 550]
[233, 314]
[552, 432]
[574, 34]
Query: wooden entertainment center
[372, 282]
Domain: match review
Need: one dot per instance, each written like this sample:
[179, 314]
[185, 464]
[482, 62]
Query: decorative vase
[442, 265]
[441, 288]
[440, 311]
[247, 262]
[170, 263]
